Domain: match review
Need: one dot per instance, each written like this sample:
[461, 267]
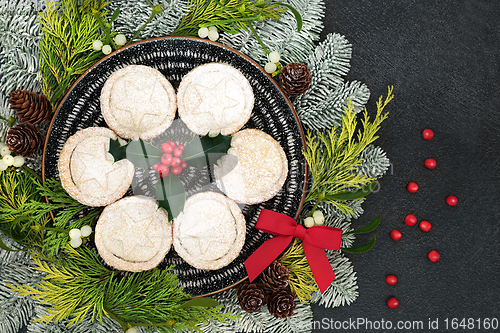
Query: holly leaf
[141, 154]
[118, 151]
[206, 150]
[171, 195]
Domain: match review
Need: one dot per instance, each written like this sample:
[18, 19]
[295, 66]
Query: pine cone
[251, 296]
[295, 79]
[281, 303]
[275, 276]
[24, 139]
[30, 107]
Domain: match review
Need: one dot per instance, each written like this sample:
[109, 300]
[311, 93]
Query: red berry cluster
[411, 220]
[170, 159]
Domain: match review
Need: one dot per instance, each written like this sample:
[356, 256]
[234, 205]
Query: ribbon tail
[320, 266]
[265, 255]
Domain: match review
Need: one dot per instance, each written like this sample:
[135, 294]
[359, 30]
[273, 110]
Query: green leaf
[360, 249]
[5, 247]
[115, 15]
[206, 150]
[141, 154]
[297, 15]
[171, 195]
[362, 192]
[367, 228]
[118, 151]
[200, 301]
[15, 232]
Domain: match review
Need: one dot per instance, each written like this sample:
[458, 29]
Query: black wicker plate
[175, 57]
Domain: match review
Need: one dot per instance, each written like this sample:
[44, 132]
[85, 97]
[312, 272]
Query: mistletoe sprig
[77, 283]
[170, 192]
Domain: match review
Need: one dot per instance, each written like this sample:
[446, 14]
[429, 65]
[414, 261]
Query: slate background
[442, 56]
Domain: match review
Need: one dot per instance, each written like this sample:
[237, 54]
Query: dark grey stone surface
[443, 59]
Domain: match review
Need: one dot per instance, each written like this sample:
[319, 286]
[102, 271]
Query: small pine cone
[281, 303]
[251, 296]
[295, 79]
[30, 107]
[24, 139]
[275, 276]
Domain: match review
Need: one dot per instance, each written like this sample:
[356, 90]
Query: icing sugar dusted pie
[138, 102]
[254, 169]
[215, 98]
[132, 234]
[210, 232]
[88, 172]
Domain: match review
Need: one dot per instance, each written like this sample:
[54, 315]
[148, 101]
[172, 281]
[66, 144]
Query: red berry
[166, 159]
[391, 279]
[176, 161]
[167, 147]
[430, 163]
[412, 187]
[392, 303]
[433, 256]
[176, 170]
[410, 220]
[181, 146]
[452, 200]
[184, 164]
[396, 235]
[428, 134]
[172, 144]
[178, 151]
[155, 167]
[163, 170]
[425, 226]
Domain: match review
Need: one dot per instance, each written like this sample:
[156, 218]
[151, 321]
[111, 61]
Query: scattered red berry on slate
[167, 147]
[433, 256]
[412, 187]
[184, 164]
[391, 279]
[166, 159]
[176, 170]
[175, 161]
[396, 235]
[425, 226]
[392, 303]
[163, 170]
[410, 220]
[430, 163]
[428, 134]
[452, 200]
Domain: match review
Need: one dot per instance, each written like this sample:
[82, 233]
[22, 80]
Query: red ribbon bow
[314, 239]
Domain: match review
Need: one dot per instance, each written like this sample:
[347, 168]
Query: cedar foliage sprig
[334, 158]
[66, 44]
[302, 282]
[68, 213]
[76, 283]
[18, 188]
[227, 15]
